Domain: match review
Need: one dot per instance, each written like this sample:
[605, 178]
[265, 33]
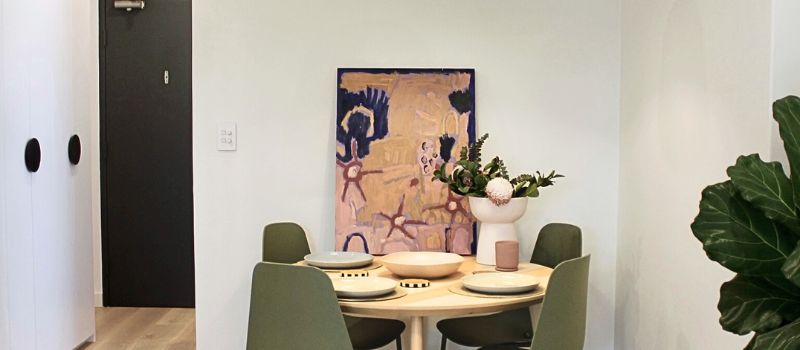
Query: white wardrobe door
[17, 253]
[83, 74]
[63, 272]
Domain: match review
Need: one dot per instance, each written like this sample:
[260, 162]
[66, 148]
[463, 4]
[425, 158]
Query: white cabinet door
[17, 251]
[59, 85]
[46, 298]
[52, 246]
[83, 75]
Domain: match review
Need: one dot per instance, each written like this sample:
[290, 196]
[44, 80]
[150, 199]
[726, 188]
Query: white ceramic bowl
[422, 264]
[488, 212]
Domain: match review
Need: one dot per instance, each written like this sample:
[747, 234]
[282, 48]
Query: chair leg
[444, 342]
[398, 343]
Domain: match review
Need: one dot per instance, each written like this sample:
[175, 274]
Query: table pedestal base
[417, 329]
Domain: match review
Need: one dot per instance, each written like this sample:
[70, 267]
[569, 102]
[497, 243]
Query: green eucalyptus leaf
[783, 338]
[756, 304]
[766, 186]
[489, 165]
[786, 112]
[791, 268]
[532, 191]
[519, 190]
[739, 236]
[481, 181]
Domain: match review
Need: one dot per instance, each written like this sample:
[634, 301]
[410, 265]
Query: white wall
[4, 323]
[785, 48]
[785, 61]
[695, 95]
[548, 80]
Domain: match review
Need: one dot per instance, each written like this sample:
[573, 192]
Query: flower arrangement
[471, 178]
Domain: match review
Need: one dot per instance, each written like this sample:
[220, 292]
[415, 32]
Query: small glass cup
[506, 255]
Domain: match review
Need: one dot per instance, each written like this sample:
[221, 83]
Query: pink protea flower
[499, 191]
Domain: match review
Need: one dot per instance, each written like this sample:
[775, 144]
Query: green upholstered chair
[556, 243]
[562, 324]
[294, 307]
[285, 242]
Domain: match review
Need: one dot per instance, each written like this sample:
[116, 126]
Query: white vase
[497, 224]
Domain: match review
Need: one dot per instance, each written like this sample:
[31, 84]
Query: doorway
[146, 154]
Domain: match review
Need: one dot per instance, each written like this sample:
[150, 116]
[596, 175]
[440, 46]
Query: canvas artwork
[394, 127]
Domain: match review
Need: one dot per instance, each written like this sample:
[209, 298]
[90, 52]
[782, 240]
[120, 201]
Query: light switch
[226, 136]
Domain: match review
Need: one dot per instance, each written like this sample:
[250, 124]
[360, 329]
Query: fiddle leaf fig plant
[750, 225]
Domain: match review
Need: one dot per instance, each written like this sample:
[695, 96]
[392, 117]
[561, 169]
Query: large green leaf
[786, 112]
[784, 338]
[739, 236]
[755, 304]
[766, 186]
[791, 268]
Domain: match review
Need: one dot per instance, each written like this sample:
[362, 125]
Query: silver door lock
[166, 77]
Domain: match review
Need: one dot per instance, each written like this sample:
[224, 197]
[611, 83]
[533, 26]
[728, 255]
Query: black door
[146, 154]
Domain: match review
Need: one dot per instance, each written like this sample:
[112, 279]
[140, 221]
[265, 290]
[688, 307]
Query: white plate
[338, 260]
[422, 264]
[500, 283]
[363, 287]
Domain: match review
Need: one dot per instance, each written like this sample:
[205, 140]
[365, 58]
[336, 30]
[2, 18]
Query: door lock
[166, 77]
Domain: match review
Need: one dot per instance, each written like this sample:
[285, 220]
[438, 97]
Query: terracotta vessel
[507, 255]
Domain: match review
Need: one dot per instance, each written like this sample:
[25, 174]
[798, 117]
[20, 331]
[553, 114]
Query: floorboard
[122, 328]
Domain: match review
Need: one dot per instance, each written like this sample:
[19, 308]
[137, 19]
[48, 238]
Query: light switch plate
[226, 136]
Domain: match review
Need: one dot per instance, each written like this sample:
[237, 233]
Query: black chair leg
[398, 343]
[444, 342]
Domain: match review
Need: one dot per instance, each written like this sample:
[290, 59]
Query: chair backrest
[284, 242]
[557, 243]
[562, 323]
[294, 307]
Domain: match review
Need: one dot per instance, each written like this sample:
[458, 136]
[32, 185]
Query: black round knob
[33, 155]
[74, 149]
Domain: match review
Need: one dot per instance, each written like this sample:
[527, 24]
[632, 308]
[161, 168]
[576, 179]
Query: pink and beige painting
[394, 127]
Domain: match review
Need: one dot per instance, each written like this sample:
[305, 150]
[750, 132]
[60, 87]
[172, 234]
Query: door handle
[129, 5]
[33, 155]
[74, 149]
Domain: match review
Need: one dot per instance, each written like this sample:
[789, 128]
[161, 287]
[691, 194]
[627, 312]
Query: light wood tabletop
[438, 300]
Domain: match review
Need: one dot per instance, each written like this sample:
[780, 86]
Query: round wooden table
[437, 300]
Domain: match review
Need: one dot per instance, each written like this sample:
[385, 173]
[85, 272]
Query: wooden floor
[122, 328]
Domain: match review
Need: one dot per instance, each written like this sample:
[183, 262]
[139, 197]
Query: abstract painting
[394, 127]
